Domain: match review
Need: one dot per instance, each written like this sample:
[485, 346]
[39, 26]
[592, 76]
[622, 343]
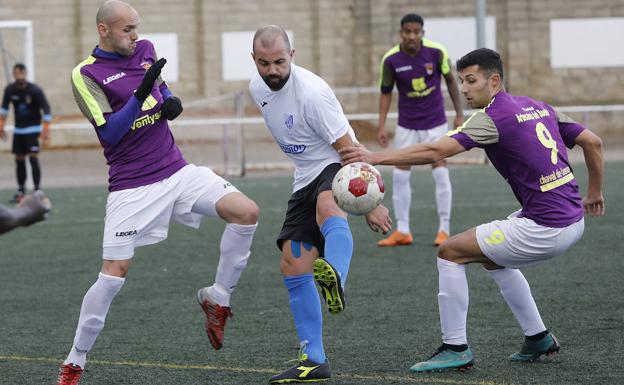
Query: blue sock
[338, 245]
[305, 305]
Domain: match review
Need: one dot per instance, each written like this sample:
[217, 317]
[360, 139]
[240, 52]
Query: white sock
[517, 293]
[452, 301]
[93, 312]
[235, 246]
[444, 196]
[401, 198]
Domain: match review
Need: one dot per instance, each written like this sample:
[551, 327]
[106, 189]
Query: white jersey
[305, 118]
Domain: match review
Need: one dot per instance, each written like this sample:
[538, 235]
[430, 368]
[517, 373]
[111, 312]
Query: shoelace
[218, 314]
[301, 356]
[439, 350]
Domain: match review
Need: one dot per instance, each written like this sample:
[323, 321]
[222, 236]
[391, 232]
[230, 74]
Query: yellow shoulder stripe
[458, 129]
[390, 52]
[79, 83]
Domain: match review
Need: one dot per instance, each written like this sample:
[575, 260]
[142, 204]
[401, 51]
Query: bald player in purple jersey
[526, 141]
[417, 66]
[119, 90]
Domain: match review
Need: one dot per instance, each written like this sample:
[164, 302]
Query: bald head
[266, 37]
[111, 10]
[117, 25]
[272, 55]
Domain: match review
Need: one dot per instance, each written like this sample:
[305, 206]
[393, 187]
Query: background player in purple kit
[118, 88]
[526, 142]
[416, 66]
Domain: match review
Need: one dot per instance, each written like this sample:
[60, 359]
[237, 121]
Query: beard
[276, 82]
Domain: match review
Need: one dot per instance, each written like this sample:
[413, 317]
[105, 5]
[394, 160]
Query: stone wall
[342, 40]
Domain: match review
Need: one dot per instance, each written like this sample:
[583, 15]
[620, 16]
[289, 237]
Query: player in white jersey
[308, 124]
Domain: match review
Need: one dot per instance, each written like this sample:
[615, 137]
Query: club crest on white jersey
[289, 121]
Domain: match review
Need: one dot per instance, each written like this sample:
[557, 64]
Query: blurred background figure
[416, 66]
[33, 208]
[28, 102]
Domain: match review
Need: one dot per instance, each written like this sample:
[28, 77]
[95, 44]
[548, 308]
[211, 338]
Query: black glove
[171, 107]
[144, 89]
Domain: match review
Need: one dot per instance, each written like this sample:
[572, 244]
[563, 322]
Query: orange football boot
[397, 239]
[440, 238]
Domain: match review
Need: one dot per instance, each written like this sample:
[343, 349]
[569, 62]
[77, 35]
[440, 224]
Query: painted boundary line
[162, 365]
[419, 205]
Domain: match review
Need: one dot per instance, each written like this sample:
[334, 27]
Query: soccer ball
[358, 188]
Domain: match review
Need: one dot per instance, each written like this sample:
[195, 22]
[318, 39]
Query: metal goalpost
[11, 51]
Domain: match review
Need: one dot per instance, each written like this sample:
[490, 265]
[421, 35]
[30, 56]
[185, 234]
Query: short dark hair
[412, 18]
[487, 59]
[19, 66]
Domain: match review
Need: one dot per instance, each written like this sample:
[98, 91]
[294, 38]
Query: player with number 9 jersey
[525, 140]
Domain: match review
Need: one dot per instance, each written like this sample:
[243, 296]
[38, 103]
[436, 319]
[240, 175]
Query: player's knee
[287, 268]
[445, 251]
[116, 268]
[284, 267]
[253, 212]
[93, 324]
[243, 212]
[294, 266]
[248, 213]
[327, 209]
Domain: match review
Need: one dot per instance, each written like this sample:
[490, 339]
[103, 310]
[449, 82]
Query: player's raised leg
[331, 272]
[241, 215]
[296, 266]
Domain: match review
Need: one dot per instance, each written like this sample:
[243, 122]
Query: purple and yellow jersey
[102, 85]
[418, 78]
[526, 141]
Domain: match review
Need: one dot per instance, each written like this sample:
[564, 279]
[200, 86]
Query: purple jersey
[102, 85]
[526, 141]
[421, 105]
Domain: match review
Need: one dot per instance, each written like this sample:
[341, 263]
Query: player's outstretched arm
[591, 144]
[424, 153]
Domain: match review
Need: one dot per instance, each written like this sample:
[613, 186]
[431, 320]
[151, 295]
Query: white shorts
[140, 216]
[404, 137]
[519, 242]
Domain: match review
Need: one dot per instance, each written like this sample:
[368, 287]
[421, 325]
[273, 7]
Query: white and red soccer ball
[358, 188]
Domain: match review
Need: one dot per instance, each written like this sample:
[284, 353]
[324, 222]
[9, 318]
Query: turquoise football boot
[533, 350]
[445, 359]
